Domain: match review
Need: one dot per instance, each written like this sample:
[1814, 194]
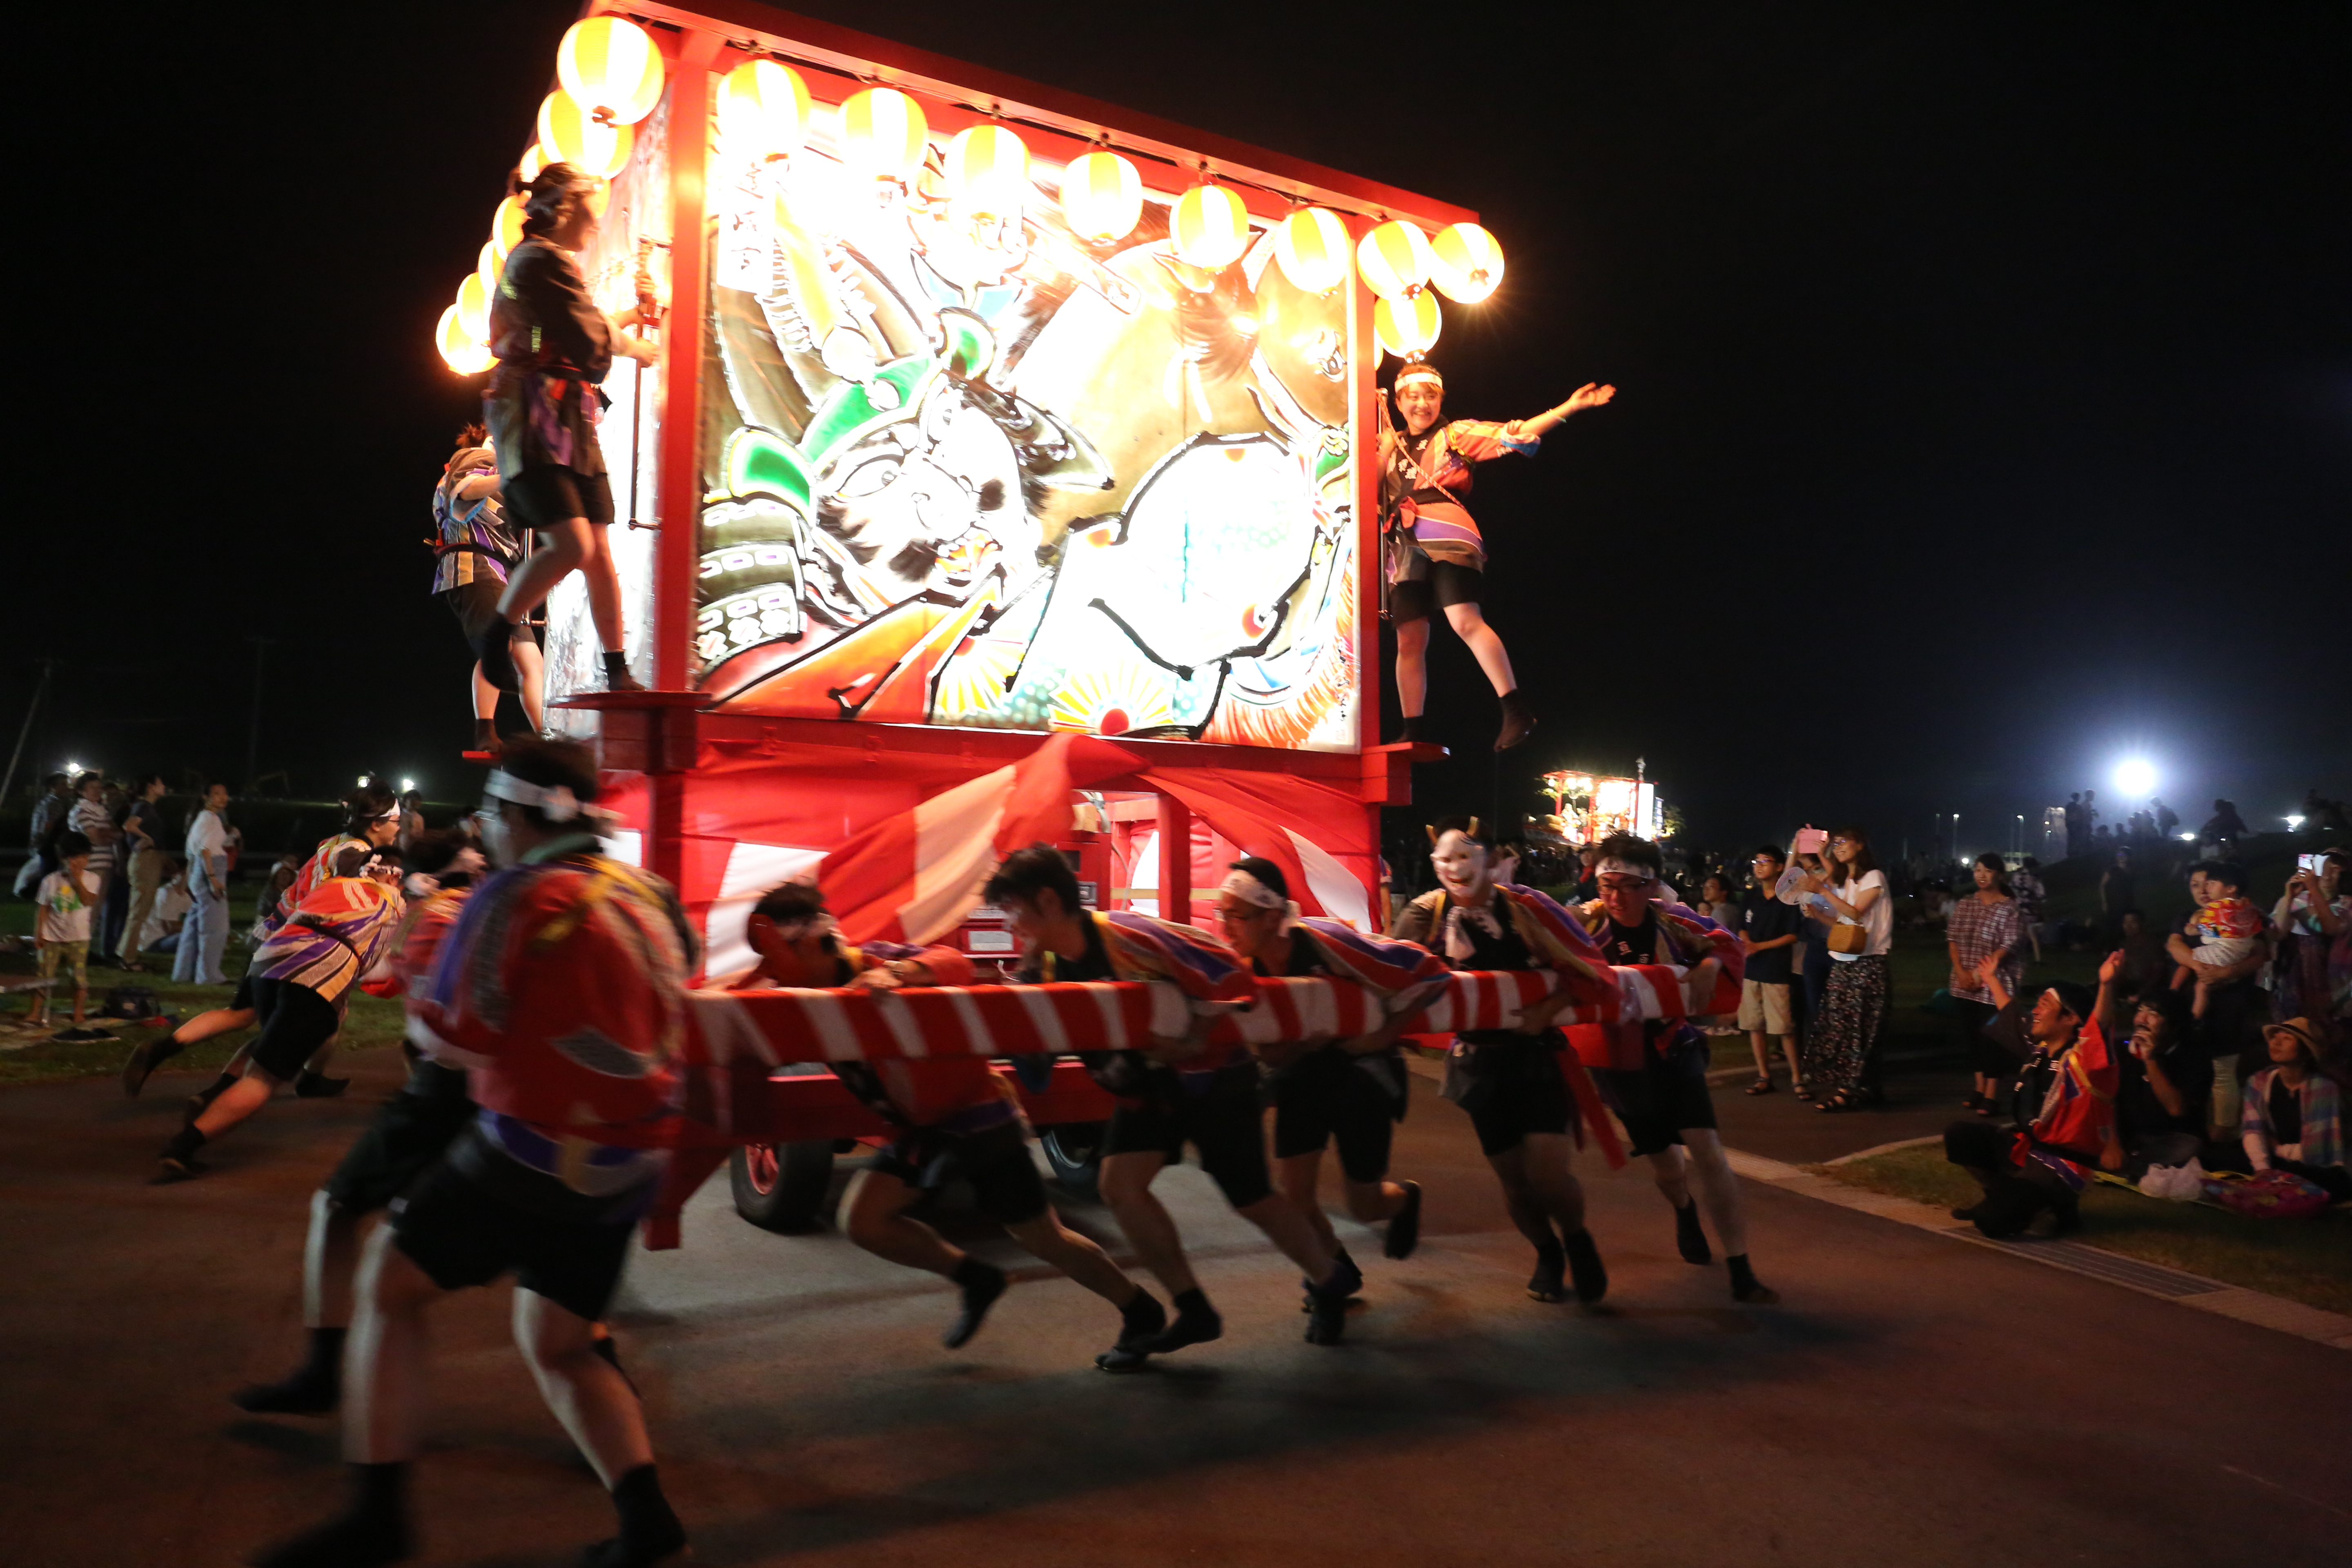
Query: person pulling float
[554, 347]
[1435, 554]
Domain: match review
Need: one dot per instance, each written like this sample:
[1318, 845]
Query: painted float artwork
[969, 469]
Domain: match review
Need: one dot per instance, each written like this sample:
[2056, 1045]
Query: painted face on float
[1463, 866]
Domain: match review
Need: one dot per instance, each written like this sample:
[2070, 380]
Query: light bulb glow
[474, 309]
[882, 135]
[988, 172]
[611, 67]
[570, 134]
[763, 109]
[506, 227]
[2135, 776]
[1466, 264]
[1394, 259]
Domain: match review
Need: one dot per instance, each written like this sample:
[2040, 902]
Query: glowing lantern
[474, 308]
[1311, 247]
[1210, 227]
[532, 161]
[1408, 327]
[1466, 264]
[458, 352]
[567, 134]
[988, 172]
[506, 227]
[882, 132]
[489, 267]
[1394, 259]
[611, 68]
[763, 106]
[1102, 197]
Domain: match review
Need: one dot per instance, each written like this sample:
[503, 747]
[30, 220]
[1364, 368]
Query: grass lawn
[2307, 1260]
[372, 1023]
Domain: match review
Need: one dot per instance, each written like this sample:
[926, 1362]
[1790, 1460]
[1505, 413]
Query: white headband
[1421, 372]
[1612, 866]
[1250, 891]
[818, 925]
[556, 801]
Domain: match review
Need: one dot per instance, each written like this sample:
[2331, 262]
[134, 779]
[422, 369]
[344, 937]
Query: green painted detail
[968, 346]
[759, 461]
[850, 407]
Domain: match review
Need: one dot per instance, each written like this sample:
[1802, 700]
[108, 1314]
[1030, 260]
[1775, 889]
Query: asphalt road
[1914, 1401]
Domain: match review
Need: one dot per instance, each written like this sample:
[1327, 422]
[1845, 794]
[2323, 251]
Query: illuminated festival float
[1006, 446]
[1592, 807]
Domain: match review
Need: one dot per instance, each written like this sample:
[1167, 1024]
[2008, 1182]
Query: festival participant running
[562, 988]
[403, 1140]
[302, 976]
[1656, 1070]
[1352, 1091]
[1174, 1092]
[954, 1116]
[555, 347]
[1436, 555]
[475, 551]
[1515, 1083]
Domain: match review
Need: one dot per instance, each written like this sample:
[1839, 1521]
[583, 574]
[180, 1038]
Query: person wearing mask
[1841, 1048]
[204, 938]
[143, 830]
[2294, 1113]
[1769, 930]
[2065, 1112]
[554, 348]
[1984, 924]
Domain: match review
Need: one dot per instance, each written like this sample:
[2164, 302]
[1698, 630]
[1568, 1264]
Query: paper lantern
[988, 172]
[1406, 327]
[611, 68]
[1102, 197]
[489, 266]
[458, 352]
[506, 227]
[567, 134]
[532, 160]
[1394, 259]
[1210, 227]
[1466, 263]
[763, 109]
[882, 132]
[1311, 249]
[474, 308]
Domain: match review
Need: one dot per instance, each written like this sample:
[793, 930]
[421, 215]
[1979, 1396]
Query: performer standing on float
[554, 348]
[476, 553]
[953, 1115]
[1521, 1087]
[1348, 1091]
[1435, 556]
[562, 990]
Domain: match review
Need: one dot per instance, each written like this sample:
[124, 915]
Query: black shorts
[1005, 1180]
[243, 998]
[1516, 1088]
[408, 1136]
[476, 606]
[1985, 1055]
[547, 494]
[1217, 1113]
[479, 1215]
[1663, 1097]
[1429, 585]
[295, 1021]
[1328, 1094]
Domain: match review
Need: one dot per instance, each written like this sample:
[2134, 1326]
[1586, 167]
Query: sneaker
[311, 1085]
[977, 1296]
[1519, 722]
[1327, 1323]
[1404, 1228]
[1585, 1265]
[1690, 1237]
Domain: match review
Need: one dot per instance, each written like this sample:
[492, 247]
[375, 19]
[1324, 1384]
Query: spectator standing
[49, 815]
[2314, 922]
[1841, 1055]
[90, 818]
[2118, 891]
[143, 830]
[1985, 924]
[2078, 826]
[412, 819]
[2167, 821]
[1768, 928]
[2025, 887]
[62, 907]
[2222, 830]
[1813, 958]
[2294, 1112]
[117, 909]
[205, 937]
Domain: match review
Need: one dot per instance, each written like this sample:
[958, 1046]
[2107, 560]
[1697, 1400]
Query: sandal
[1803, 1088]
[1761, 1086]
[1843, 1101]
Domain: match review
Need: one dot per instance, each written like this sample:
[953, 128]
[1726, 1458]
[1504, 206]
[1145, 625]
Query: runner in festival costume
[403, 1140]
[1175, 1092]
[563, 989]
[473, 554]
[954, 1116]
[301, 977]
[1352, 1091]
[555, 347]
[1520, 1085]
[1435, 556]
[370, 818]
[1655, 1070]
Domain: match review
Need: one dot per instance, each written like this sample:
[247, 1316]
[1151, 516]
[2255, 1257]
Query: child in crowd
[2224, 931]
[62, 905]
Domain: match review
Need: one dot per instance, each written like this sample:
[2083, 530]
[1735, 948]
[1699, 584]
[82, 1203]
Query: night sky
[1985, 408]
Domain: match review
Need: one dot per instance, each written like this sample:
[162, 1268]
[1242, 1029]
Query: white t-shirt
[61, 913]
[1878, 920]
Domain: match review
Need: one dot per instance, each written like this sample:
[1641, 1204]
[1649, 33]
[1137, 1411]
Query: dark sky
[1985, 378]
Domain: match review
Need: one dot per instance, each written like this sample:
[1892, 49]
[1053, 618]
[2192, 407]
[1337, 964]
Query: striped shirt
[476, 541]
[333, 937]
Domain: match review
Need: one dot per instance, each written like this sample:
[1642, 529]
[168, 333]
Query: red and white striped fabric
[913, 877]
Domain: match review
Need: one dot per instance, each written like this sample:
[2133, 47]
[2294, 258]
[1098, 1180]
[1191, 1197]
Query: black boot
[1690, 1237]
[983, 1283]
[486, 737]
[179, 1159]
[1327, 1323]
[1409, 732]
[1747, 1287]
[616, 674]
[145, 1059]
[1549, 1283]
[1585, 1268]
[1196, 1323]
[650, 1531]
[1519, 719]
[315, 1388]
[1140, 1322]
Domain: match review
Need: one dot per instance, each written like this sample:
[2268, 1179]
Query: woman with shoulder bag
[1843, 1048]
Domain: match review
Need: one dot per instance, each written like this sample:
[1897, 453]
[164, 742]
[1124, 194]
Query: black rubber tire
[782, 1187]
[1075, 1152]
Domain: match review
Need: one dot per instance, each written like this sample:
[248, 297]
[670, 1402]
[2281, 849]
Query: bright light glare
[73, 767]
[407, 784]
[2135, 777]
[364, 779]
[2294, 821]
[2189, 838]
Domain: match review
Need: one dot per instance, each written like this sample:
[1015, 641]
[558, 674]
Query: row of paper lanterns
[611, 76]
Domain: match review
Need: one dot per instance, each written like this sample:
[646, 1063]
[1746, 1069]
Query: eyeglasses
[1841, 840]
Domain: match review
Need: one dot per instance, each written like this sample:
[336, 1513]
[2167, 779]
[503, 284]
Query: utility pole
[25, 731]
[253, 720]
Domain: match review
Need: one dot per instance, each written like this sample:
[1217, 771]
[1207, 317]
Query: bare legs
[875, 1214]
[1761, 1043]
[1700, 1155]
[1368, 1203]
[1539, 1188]
[1471, 627]
[1127, 1188]
[573, 544]
[1412, 667]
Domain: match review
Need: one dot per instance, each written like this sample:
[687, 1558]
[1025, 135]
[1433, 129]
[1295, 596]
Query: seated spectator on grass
[2069, 1089]
[1984, 925]
[170, 913]
[2313, 922]
[2162, 1099]
[2294, 1113]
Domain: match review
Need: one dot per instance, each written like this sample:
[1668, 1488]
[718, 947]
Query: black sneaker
[1690, 1237]
[173, 1169]
[1585, 1268]
[145, 1059]
[1327, 1324]
[1404, 1228]
[1188, 1329]
[978, 1296]
[311, 1085]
